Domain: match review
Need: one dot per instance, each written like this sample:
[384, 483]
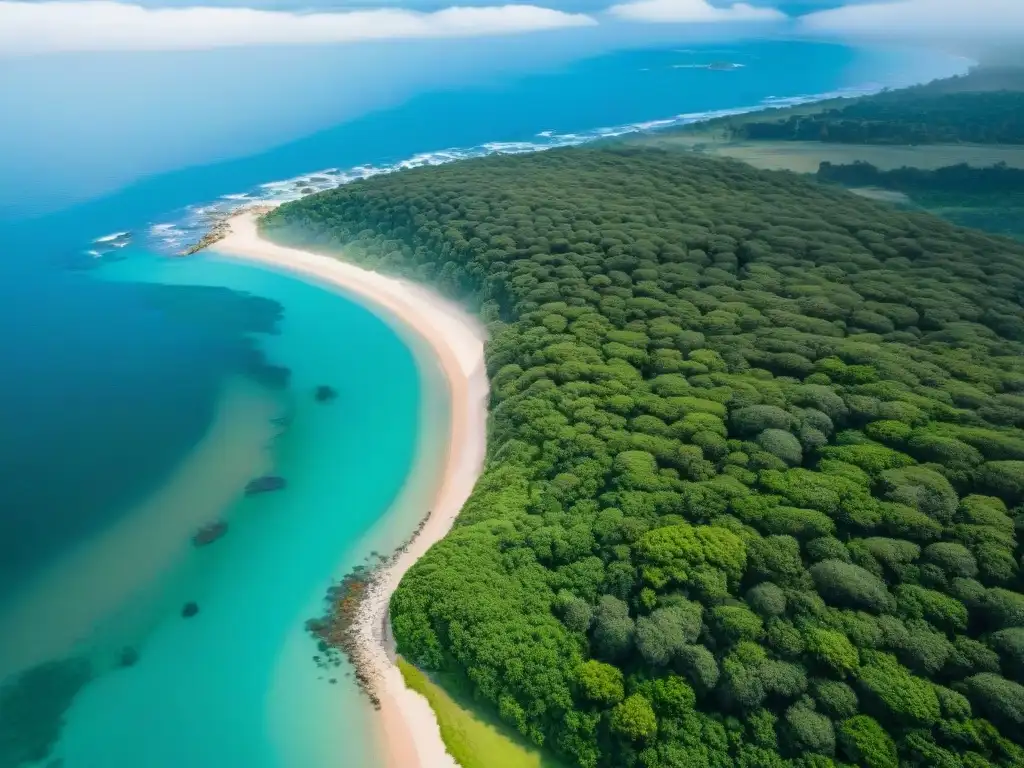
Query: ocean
[142, 393]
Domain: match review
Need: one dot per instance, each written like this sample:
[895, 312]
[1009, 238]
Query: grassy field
[998, 213]
[473, 737]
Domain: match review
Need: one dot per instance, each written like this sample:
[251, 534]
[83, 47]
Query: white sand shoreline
[411, 734]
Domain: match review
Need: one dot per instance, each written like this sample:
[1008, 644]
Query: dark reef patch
[32, 709]
[265, 484]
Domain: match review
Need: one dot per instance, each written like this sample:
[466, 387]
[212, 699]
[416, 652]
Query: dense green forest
[989, 198]
[962, 178]
[984, 106]
[902, 117]
[755, 461]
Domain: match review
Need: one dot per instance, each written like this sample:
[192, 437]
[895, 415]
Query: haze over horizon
[103, 76]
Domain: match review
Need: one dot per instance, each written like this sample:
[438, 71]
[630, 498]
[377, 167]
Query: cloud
[693, 12]
[942, 21]
[99, 25]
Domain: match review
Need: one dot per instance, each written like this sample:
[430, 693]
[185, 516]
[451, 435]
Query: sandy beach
[411, 736]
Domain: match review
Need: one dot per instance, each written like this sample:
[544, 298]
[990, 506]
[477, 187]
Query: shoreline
[209, 224]
[411, 735]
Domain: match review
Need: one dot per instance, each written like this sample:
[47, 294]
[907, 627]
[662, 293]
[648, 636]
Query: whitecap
[113, 237]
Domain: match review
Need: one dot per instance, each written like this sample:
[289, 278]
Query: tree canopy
[754, 460]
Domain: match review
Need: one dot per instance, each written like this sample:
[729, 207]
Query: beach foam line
[195, 221]
[412, 736]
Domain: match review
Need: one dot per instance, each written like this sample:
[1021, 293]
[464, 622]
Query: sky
[41, 27]
[81, 76]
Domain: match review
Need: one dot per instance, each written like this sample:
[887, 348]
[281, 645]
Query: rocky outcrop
[220, 228]
[340, 633]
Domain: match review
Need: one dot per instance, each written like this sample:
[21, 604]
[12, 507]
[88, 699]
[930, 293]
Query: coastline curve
[411, 734]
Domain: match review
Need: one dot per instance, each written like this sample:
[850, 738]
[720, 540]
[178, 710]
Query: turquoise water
[235, 685]
[141, 393]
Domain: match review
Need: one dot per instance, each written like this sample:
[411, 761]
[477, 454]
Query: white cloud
[99, 25]
[946, 21]
[693, 12]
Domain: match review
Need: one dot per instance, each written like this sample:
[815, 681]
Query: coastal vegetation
[953, 147]
[909, 116]
[998, 179]
[470, 736]
[989, 198]
[983, 106]
[755, 463]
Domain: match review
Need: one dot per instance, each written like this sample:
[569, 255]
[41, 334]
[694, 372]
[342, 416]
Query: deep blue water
[107, 385]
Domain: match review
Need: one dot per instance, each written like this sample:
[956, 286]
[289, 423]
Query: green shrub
[767, 600]
[1009, 644]
[634, 718]
[807, 730]
[749, 421]
[832, 649]
[998, 699]
[848, 585]
[782, 445]
[835, 698]
[865, 742]
[600, 683]
[954, 559]
[1004, 479]
[895, 693]
[939, 609]
[923, 489]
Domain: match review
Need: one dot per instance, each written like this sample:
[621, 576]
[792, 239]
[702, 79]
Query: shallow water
[105, 593]
[237, 684]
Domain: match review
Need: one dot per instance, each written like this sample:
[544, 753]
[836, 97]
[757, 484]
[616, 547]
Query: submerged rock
[265, 484]
[189, 610]
[209, 533]
[129, 657]
[324, 394]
